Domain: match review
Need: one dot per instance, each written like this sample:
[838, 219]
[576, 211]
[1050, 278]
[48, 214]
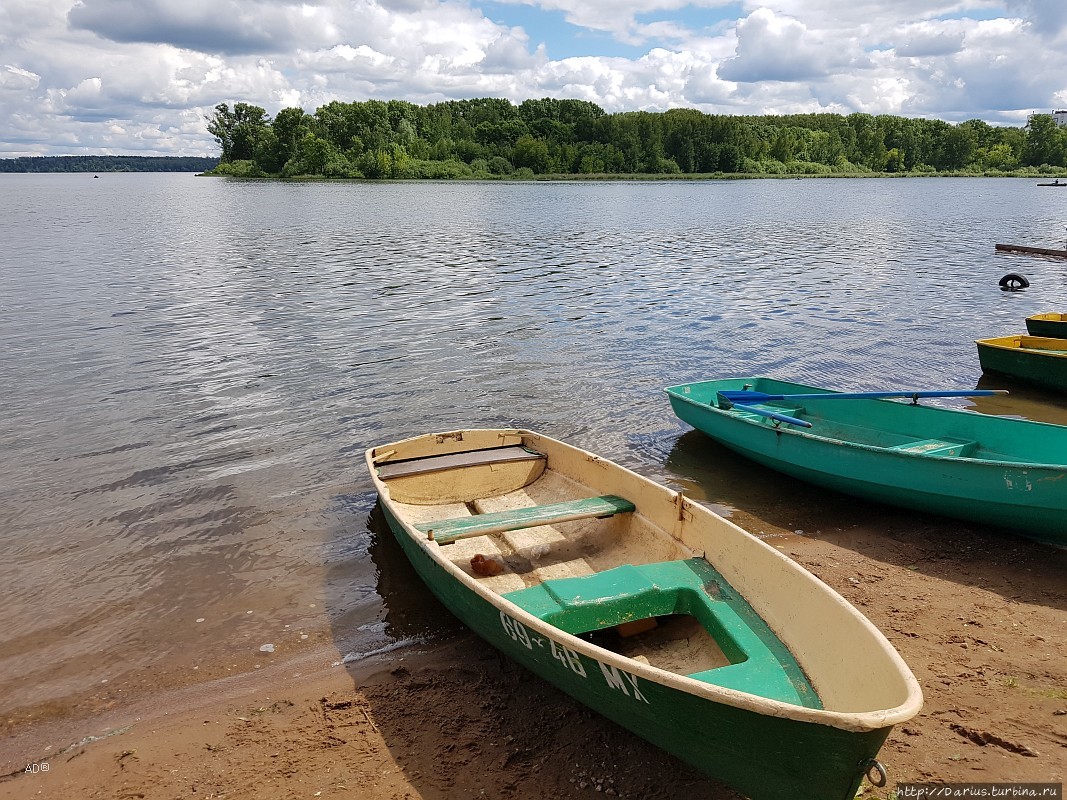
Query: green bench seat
[790, 411]
[938, 447]
[760, 663]
[445, 531]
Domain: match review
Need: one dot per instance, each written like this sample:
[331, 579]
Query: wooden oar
[745, 397]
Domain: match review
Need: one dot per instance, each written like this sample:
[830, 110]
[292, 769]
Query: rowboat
[993, 470]
[649, 608]
[1048, 325]
[1038, 360]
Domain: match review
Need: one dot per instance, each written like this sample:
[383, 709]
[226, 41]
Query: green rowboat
[1050, 325]
[648, 608]
[1037, 360]
[994, 470]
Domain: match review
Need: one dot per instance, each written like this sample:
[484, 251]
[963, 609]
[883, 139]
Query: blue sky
[139, 76]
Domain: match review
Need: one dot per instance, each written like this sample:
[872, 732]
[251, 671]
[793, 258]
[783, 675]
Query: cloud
[141, 74]
[232, 27]
[777, 48]
[15, 79]
[926, 39]
[1046, 18]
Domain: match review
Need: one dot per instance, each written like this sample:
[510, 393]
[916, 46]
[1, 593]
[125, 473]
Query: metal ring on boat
[879, 776]
[1013, 281]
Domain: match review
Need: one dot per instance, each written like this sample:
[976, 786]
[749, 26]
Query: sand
[980, 616]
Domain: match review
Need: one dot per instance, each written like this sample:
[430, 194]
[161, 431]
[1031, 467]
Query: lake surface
[191, 369]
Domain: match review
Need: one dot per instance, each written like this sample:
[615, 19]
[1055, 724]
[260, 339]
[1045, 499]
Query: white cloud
[771, 47]
[139, 75]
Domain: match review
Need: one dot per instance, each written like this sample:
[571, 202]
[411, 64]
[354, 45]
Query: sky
[139, 77]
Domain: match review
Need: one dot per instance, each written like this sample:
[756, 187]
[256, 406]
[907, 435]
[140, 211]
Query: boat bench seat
[760, 663]
[445, 531]
[938, 447]
[469, 458]
[789, 411]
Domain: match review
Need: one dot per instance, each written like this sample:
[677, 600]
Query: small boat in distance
[649, 608]
[1050, 325]
[993, 470]
[1037, 360]
[1054, 183]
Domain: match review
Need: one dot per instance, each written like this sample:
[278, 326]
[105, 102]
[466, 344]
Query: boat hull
[1036, 360]
[1052, 326]
[767, 758]
[749, 738]
[1026, 497]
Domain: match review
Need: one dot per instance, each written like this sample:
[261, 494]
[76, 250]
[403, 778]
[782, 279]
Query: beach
[978, 615]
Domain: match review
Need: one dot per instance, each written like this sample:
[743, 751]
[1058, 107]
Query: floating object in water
[1013, 282]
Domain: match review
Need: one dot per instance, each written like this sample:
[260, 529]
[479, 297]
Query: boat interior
[589, 564]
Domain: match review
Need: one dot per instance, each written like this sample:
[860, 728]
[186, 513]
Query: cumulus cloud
[233, 27]
[140, 75]
[771, 47]
[926, 39]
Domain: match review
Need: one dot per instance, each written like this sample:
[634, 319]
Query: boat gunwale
[852, 721]
[882, 450]
[1005, 343]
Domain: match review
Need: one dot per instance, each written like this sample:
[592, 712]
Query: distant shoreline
[25, 164]
[639, 177]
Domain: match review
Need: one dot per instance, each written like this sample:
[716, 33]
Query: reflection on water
[192, 369]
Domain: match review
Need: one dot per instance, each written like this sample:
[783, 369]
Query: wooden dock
[1032, 251]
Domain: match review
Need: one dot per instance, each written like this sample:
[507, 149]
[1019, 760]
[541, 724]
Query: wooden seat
[471, 458]
[445, 531]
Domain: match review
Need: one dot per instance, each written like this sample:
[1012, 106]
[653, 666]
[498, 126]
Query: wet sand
[978, 615]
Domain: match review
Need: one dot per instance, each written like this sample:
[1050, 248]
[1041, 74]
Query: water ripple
[193, 367]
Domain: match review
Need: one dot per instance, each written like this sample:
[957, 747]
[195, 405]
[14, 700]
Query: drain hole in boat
[676, 643]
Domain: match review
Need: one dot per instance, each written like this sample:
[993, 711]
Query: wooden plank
[445, 531]
[471, 458]
[1034, 251]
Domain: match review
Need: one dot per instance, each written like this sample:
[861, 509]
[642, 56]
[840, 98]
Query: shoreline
[977, 615]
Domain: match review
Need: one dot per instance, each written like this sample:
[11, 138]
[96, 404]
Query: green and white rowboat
[648, 608]
[994, 470]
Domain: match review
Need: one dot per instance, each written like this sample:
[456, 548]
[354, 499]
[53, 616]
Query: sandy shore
[980, 617]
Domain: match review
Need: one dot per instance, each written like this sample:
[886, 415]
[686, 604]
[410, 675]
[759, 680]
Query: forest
[107, 164]
[490, 137]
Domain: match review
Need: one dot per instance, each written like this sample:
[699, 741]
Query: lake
[192, 368]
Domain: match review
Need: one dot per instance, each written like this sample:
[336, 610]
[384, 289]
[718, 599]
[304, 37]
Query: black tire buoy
[1013, 282]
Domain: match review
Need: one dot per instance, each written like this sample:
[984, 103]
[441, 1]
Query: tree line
[491, 137]
[108, 164]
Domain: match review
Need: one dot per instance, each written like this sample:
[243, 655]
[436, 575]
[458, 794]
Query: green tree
[237, 131]
[532, 153]
[1044, 142]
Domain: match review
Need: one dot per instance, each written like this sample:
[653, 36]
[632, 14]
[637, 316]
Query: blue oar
[746, 397]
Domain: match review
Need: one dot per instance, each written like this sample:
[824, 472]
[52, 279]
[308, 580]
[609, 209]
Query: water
[191, 369]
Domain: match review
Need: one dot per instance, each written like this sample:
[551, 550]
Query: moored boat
[1052, 325]
[994, 470]
[649, 608]
[1037, 360]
